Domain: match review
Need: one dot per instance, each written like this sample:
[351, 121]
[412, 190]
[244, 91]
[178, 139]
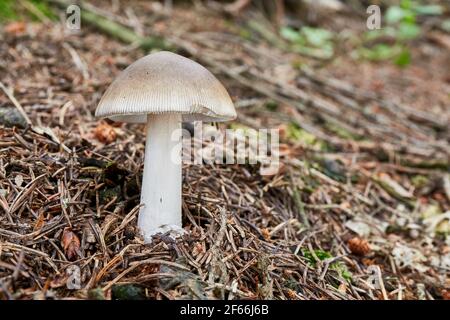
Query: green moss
[8, 11]
[127, 292]
[245, 34]
[106, 195]
[342, 270]
[43, 7]
[322, 255]
[419, 181]
[342, 132]
[271, 106]
[11, 10]
[96, 294]
[297, 134]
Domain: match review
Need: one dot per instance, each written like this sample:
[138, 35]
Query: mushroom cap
[165, 82]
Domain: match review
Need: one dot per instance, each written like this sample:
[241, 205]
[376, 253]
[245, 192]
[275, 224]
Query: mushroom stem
[161, 184]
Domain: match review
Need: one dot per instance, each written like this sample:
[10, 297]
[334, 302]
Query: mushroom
[163, 89]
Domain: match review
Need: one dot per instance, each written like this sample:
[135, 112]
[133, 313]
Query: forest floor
[360, 208]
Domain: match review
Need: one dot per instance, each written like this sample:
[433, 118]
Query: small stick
[16, 103]
[299, 203]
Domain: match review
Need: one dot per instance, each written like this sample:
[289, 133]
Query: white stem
[161, 184]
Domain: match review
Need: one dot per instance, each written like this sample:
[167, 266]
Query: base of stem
[171, 231]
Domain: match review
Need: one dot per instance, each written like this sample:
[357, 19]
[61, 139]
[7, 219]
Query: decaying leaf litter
[359, 210]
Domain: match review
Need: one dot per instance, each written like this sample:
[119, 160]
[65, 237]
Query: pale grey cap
[165, 82]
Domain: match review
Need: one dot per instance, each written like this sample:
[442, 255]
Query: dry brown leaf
[15, 27]
[291, 294]
[368, 262]
[105, 133]
[70, 243]
[40, 221]
[446, 294]
[265, 233]
[359, 246]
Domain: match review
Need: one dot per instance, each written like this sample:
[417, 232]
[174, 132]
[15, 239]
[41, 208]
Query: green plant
[7, 11]
[338, 266]
[445, 25]
[297, 134]
[402, 27]
[314, 42]
[44, 8]
[12, 10]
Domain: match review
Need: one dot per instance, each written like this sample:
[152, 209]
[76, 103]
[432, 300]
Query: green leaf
[316, 36]
[429, 9]
[394, 14]
[408, 31]
[410, 17]
[374, 34]
[446, 25]
[379, 52]
[290, 34]
[325, 52]
[314, 42]
[406, 4]
[403, 59]
[390, 31]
